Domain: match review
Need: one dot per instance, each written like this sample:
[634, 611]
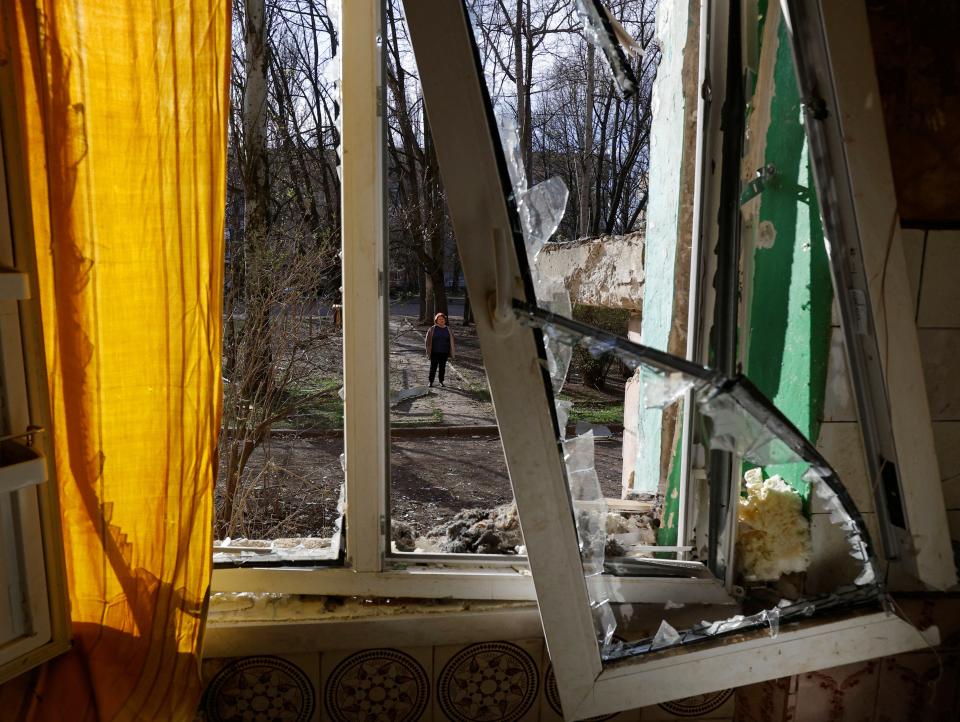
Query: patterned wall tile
[261, 688]
[840, 694]
[488, 682]
[377, 684]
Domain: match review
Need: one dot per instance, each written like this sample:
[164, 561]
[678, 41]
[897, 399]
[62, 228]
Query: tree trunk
[519, 75]
[434, 225]
[428, 299]
[253, 365]
[455, 282]
[586, 149]
[526, 120]
[467, 309]
[256, 211]
[422, 288]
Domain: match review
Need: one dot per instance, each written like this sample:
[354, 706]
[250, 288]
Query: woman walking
[440, 346]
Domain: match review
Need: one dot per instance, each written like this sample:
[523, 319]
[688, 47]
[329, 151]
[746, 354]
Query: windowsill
[240, 624]
[500, 583]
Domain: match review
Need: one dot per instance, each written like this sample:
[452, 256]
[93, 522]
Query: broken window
[606, 655]
[583, 211]
[677, 457]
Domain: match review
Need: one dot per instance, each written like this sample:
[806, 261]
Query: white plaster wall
[663, 214]
[605, 271]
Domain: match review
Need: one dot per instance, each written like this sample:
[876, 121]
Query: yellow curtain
[123, 106]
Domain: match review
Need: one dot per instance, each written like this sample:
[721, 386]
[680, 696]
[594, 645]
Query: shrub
[594, 371]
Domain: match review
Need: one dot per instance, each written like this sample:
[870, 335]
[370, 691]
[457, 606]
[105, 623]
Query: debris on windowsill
[402, 536]
[242, 550]
[497, 531]
[480, 531]
[627, 532]
[666, 636]
[773, 535]
[237, 608]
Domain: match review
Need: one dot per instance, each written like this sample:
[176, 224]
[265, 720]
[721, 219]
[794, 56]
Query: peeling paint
[605, 271]
[766, 235]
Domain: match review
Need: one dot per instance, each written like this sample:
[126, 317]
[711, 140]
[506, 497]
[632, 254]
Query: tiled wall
[933, 260]
[916, 686]
[513, 681]
[489, 681]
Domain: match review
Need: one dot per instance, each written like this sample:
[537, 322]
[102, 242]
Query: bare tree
[283, 222]
[515, 34]
[418, 209]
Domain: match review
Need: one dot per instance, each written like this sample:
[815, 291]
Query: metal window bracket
[761, 179]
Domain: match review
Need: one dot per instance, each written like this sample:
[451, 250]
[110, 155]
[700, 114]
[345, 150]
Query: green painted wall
[790, 287]
[790, 290]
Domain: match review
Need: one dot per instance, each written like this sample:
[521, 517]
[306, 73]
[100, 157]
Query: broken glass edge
[590, 519]
[842, 242]
[712, 385]
[540, 210]
[599, 32]
[761, 410]
[842, 600]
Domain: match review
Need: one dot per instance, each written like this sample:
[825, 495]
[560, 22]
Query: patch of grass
[480, 392]
[316, 403]
[434, 419]
[597, 412]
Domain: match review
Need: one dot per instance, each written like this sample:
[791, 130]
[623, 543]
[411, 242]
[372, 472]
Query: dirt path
[462, 401]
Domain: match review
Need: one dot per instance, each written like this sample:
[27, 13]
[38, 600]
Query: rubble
[403, 537]
[497, 531]
[481, 531]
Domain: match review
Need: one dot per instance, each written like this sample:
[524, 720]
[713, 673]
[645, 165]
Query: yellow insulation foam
[773, 536]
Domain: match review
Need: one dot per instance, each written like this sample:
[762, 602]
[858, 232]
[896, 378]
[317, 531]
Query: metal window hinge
[762, 177]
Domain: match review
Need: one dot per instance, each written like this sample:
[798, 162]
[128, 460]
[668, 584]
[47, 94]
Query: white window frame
[370, 568]
[486, 233]
[28, 487]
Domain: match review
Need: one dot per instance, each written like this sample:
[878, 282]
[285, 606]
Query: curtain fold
[123, 106]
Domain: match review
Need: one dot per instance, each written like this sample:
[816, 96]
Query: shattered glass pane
[541, 209]
[774, 540]
[603, 31]
[590, 515]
